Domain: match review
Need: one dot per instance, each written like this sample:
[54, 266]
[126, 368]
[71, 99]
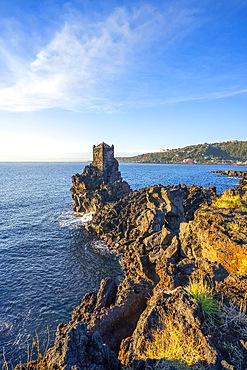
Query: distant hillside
[231, 151]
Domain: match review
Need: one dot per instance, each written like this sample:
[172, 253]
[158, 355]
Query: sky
[142, 75]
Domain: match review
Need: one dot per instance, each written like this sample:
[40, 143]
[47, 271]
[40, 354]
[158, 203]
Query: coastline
[189, 164]
[167, 238]
[146, 263]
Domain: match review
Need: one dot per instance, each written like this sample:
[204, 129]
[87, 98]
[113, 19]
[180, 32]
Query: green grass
[203, 294]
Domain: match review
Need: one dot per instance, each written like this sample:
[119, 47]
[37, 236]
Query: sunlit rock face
[100, 182]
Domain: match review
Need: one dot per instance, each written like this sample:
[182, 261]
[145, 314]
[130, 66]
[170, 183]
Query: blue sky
[142, 75]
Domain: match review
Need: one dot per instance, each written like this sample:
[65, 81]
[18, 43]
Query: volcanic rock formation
[182, 301]
[99, 183]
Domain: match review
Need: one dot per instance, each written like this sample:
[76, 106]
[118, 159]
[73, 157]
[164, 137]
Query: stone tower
[100, 182]
[103, 159]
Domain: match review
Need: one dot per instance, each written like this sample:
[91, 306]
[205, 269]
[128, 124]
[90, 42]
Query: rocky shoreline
[241, 174]
[232, 173]
[182, 301]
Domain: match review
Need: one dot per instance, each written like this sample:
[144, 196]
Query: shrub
[230, 201]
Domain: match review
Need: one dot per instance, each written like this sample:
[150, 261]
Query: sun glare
[16, 146]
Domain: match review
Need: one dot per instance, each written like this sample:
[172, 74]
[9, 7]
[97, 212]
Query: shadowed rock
[75, 348]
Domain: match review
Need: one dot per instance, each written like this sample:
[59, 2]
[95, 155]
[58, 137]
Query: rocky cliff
[182, 301]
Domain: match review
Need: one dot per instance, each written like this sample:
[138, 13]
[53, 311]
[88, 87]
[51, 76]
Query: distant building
[189, 161]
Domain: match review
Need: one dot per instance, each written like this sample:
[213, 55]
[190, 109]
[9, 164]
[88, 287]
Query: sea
[47, 259]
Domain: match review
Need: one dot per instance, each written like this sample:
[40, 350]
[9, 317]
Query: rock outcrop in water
[231, 173]
[182, 301]
[100, 182]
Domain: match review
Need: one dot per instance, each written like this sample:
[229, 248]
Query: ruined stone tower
[103, 159]
[99, 183]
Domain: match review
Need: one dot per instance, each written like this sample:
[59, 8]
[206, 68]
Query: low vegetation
[184, 351]
[35, 355]
[236, 227]
[202, 292]
[230, 201]
[225, 152]
[243, 268]
[234, 321]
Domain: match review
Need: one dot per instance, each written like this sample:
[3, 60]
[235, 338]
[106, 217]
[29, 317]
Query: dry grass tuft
[33, 351]
[242, 270]
[234, 316]
[235, 227]
[182, 349]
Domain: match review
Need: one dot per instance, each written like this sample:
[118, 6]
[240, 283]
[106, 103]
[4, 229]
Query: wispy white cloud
[219, 95]
[84, 64]
[188, 98]
[124, 59]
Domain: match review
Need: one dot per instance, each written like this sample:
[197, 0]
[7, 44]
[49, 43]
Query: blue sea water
[47, 261]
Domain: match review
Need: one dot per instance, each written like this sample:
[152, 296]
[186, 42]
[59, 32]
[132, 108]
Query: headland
[182, 301]
[228, 152]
